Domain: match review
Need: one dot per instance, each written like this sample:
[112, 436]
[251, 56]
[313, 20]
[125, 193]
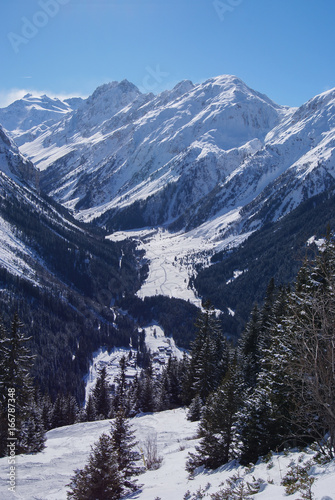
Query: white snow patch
[173, 257]
[236, 274]
[44, 476]
[318, 242]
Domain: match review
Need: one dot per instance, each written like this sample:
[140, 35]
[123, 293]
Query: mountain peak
[113, 88]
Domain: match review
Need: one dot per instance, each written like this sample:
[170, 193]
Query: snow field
[44, 476]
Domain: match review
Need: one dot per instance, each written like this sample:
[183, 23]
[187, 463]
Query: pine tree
[101, 397]
[249, 353]
[32, 433]
[90, 412]
[146, 392]
[195, 409]
[209, 357]
[218, 423]
[264, 421]
[120, 393]
[123, 444]
[310, 339]
[100, 479]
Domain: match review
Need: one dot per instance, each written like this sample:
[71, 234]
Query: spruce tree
[101, 397]
[217, 424]
[265, 422]
[123, 444]
[310, 326]
[16, 363]
[120, 393]
[209, 357]
[90, 412]
[101, 478]
[249, 352]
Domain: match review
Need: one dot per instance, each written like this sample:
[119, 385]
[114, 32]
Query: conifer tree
[264, 422]
[249, 353]
[90, 412]
[310, 339]
[101, 397]
[120, 393]
[101, 478]
[209, 357]
[123, 444]
[195, 409]
[15, 366]
[217, 424]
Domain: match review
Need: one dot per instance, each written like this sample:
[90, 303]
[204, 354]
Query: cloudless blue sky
[283, 48]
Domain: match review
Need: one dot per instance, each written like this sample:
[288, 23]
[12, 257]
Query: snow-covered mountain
[210, 162]
[182, 157]
[13, 164]
[166, 152]
[27, 118]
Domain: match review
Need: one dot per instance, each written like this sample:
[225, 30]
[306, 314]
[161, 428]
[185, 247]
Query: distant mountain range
[178, 159]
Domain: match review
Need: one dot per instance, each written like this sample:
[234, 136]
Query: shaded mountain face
[61, 277]
[13, 164]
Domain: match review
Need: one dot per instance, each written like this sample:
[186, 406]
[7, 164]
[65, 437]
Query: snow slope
[172, 257]
[122, 146]
[44, 476]
[200, 166]
[30, 116]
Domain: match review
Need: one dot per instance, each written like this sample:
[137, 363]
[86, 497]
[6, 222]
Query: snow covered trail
[44, 476]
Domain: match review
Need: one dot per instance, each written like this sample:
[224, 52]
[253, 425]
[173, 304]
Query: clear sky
[283, 48]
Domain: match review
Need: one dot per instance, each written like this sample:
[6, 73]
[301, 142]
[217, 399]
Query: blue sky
[283, 48]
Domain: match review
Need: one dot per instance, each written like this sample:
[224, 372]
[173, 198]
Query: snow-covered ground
[44, 476]
[172, 257]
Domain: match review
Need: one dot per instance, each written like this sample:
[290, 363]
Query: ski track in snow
[44, 476]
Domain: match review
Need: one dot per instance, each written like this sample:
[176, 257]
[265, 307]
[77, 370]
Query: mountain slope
[30, 116]
[61, 277]
[238, 278]
[122, 149]
[46, 474]
[179, 159]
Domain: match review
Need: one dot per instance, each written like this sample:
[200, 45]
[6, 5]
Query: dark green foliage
[101, 398]
[249, 352]
[175, 316]
[100, 479]
[123, 444]
[195, 409]
[217, 423]
[209, 357]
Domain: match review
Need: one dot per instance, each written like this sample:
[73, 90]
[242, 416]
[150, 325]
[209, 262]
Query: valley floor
[44, 476]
